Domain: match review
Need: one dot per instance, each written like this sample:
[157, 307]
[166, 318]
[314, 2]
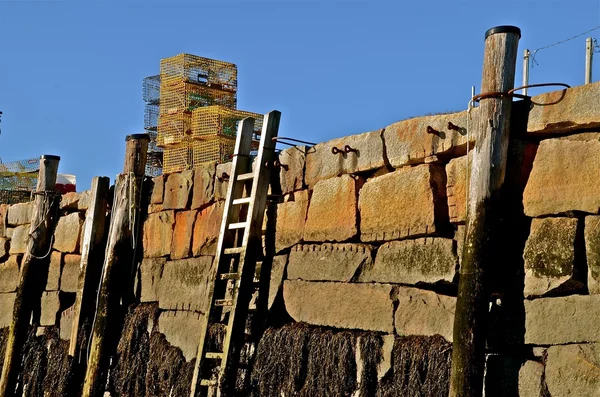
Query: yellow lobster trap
[185, 97]
[199, 70]
[219, 121]
[177, 157]
[173, 128]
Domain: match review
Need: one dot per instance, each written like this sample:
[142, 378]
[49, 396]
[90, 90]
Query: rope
[470, 106]
[534, 52]
[47, 206]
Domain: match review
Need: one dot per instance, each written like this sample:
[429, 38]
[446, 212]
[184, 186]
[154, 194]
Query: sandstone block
[150, 273]
[407, 141]
[3, 219]
[19, 240]
[327, 262]
[457, 187]
[572, 109]
[158, 191]
[204, 185]
[182, 235]
[54, 269]
[291, 217]
[423, 312]
[85, 199]
[291, 174]
[9, 274]
[177, 190]
[459, 237]
[340, 305]
[322, 164]
[69, 201]
[569, 319]
[530, 379]
[67, 233]
[562, 178]
[7, 302]
[180, 330]
[332, 211]
[20, 214]
[50, 306]
[549, 254]
[66, 323]
[277, 271]
[426, 260]
[573, 370]
[222, 180]
[184, 284]
[158, 234]
[4, 247]
[69, 277]
[419, 205]
[592, 250]
[206, 229]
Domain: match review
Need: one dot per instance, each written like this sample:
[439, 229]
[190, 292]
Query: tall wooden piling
[487, 176]
[118, 261]
[29, 291]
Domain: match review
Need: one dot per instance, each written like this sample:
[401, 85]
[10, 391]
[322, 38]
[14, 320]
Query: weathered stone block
[204, 185]
[322, 164]
[9, 274]
[3, 219]
[555, 321]
[4, 247]
[277, 271]
[426, 260]
[423, 312]
[85, 199]
[291, 217]
[20, 214]
[206, 230]
[150, 273]
[549, 254]
[459, 237]
[7, 302]
[457, 187]
[573, 370]
[158, 190]
[327, 262]
[67, 233]
[50, 307]
[69, 277]
[177, 190]
[184, 284]
[592, 250]
[19, 240]
[419, 205]
[182, 235]
[563, 178]
[530, 379]
[178, 328]
[340, 305]
[69, 201]
[158, 234]
[408, 142]
[54, 269]
[222, 180]
[291, 174]
[572, 109]
[66, 323]
[332, 211]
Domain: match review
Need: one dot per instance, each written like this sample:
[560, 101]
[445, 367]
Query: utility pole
[589, 56]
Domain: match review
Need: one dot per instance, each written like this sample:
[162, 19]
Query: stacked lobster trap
[151, 95]
[197, 116]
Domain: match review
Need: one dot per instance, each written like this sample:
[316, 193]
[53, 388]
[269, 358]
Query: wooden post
[30, 288]
[118, 260]
[487, 177]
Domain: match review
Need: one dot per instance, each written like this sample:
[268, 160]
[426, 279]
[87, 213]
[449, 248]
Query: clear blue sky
[71, 72]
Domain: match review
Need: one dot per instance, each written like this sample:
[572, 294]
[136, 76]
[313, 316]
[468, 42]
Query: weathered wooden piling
[29, 291]
[122, 238]
[487, 176]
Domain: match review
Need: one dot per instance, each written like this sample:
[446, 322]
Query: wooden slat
[238, 225]
[233, 251]
[230, 276]
[240, 201]
[245, 177]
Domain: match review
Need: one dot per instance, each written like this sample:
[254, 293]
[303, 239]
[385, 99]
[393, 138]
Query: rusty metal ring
[335, 150]
[349, 149]
[453, 127]
[512, 94]
[538, 85]
[431, 130]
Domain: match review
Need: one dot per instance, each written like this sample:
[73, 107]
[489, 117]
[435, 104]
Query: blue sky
[71, 72]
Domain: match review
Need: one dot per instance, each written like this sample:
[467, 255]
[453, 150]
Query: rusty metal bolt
[349, 149]
[335, 150]
[431, 130]
[453, 126]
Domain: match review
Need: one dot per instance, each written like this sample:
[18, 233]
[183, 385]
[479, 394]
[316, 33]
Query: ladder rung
[208, 382]
[214, 355]
[230, 276]
[233, 251]
[245, 177]
[245, 200]
[224, 302]
[239, 225]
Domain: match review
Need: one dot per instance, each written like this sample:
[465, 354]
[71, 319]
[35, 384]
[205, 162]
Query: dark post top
[137, 136]
[503, 29]
[49, 157]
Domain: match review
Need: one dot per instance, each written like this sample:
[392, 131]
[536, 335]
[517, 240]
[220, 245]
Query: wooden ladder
[238, 248]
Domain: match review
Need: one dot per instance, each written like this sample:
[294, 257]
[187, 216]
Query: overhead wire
[534, 52]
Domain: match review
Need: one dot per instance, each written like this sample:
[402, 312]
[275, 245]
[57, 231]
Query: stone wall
[370, 242]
